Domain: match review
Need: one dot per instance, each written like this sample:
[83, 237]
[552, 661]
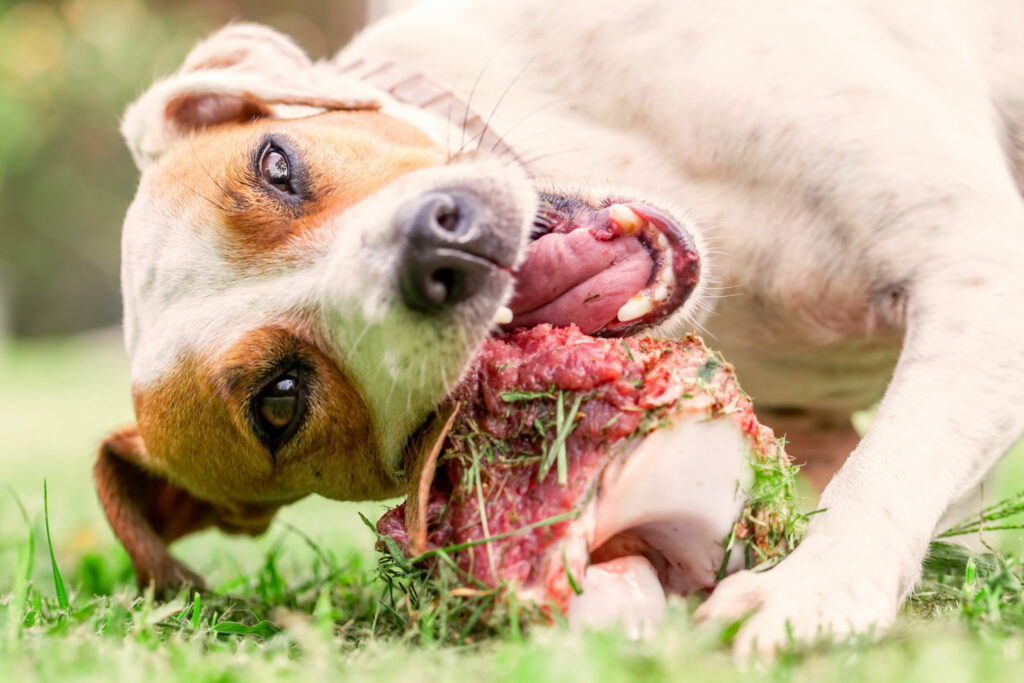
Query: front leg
[955, 404]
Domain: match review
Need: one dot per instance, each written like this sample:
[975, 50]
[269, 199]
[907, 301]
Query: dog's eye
[276, 169]
[278, 409]
[279, 401]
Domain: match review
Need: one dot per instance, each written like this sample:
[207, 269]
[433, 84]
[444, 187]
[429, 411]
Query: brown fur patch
[197, 430]
[347, 156]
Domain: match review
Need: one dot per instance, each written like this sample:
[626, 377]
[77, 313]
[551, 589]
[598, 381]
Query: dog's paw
[809, 596]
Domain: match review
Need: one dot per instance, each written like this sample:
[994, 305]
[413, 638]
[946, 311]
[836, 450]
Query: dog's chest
[831, 354]
[805, 304]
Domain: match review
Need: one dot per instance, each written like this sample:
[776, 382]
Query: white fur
[849, 161]
[851, 166]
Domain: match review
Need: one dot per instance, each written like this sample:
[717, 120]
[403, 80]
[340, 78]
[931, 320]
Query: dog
[316, 250]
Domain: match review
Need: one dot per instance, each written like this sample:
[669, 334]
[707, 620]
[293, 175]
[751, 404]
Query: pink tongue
[574, 277]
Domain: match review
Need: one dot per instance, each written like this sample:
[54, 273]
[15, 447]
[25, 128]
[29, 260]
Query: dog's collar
[413, 87]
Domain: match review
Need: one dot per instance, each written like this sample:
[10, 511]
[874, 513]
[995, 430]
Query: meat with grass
[593, 476]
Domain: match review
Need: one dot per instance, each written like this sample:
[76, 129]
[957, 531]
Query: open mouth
[597, 475]
[610, 270]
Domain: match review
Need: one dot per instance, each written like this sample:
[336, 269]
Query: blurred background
[67, 71]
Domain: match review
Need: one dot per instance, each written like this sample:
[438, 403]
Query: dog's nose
[450, 247]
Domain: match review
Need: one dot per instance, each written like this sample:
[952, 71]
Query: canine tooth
[502, 316]
[626, 218]
[636, 307]
[662, 240]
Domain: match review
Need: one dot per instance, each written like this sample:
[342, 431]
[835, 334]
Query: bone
[622, 592]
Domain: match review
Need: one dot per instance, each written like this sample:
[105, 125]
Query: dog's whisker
[391, 392]
[532, 160]
[479, 137]
[359, 338]
[199, 194]
[476, 83]
[695, 323]
[448, 129]
[203, 167]
[535, 135]
[502, 139]
[423, 374]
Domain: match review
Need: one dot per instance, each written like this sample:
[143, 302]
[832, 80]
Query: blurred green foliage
[67, 71]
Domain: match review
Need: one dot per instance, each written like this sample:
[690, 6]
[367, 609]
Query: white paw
[809, 596]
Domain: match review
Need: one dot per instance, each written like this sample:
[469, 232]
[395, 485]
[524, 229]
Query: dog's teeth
[636, 307]
[502, 316]
[625, 218]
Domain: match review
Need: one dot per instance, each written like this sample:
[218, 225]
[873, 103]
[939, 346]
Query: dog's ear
[242, 72]
[147, 512]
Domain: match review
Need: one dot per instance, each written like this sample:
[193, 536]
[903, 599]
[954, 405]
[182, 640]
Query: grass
[312, 600]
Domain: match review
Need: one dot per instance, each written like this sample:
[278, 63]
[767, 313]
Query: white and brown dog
[316, 251]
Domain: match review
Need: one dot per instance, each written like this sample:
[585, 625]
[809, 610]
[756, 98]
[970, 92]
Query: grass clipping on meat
[427, 585]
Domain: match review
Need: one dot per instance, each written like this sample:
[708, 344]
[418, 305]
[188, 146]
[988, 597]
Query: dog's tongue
[583, 276]
[609, 271]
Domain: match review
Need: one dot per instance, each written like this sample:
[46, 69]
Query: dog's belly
[784, 362]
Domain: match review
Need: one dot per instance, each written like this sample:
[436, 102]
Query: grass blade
[1004, 509]
[263, 629]
[197, 608]
[22, 577]
[555, 453]
[58, 581]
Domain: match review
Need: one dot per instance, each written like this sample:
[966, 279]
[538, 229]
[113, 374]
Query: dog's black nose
[450, 247]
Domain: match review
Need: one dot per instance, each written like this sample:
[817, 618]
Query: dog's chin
[619, 268]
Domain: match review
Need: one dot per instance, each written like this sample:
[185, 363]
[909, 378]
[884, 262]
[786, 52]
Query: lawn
[305, 601]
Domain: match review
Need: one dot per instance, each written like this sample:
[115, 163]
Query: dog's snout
[449, 249]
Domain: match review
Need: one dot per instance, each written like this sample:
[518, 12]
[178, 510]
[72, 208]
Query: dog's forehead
[203, 262]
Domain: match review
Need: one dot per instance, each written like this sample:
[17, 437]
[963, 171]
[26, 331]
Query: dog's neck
[413, 87]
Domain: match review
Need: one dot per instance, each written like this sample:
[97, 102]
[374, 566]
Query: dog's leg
[933, 217]
[953, 407]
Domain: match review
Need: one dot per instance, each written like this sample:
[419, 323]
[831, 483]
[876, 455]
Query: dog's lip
[685, 268]
[637, 256]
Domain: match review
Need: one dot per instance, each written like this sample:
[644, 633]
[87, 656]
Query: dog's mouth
[611, 270]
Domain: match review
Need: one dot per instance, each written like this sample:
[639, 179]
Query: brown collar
[415, 88]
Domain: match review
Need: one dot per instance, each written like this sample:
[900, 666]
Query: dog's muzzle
[451, 247]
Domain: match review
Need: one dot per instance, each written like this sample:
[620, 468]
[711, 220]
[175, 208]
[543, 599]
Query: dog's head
[305, 277]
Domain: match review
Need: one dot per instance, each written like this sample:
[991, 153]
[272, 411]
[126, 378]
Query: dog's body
[850, 171]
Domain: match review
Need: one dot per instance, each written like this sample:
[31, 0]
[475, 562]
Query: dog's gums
[610, 270]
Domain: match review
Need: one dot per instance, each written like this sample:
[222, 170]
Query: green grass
[309, 600]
